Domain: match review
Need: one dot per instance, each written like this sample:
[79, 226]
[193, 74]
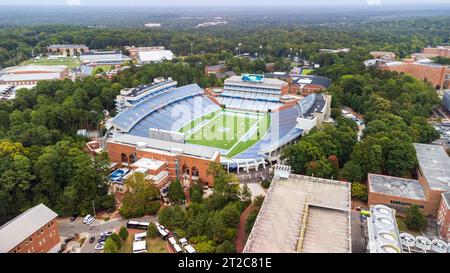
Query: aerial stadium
[243, 126]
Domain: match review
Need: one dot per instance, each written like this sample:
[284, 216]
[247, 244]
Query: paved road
[67, 228]
[358, 233]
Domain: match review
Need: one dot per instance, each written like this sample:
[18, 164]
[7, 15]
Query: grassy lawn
[154, 245]
[223, 129]
[306, 71]
[70, 62]
[104, 68]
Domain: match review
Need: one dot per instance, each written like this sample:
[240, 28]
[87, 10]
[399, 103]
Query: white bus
[138, 225]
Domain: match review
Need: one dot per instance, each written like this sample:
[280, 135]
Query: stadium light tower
[290, 53]
[192, 49]
[260, 48]
[239, 49]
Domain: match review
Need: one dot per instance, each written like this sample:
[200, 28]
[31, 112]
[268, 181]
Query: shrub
[123, 233]
[359, 191]
[414, 219]
[152, 230]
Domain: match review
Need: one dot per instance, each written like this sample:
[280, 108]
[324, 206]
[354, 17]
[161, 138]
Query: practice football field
[233, 131]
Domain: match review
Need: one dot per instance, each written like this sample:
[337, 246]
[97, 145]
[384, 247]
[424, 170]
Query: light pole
[260, 51]
[192, 49]
[290, 53]
[93, 207]
[239, 49]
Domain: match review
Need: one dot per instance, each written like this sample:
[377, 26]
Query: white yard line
[203, 125]
[240, 139]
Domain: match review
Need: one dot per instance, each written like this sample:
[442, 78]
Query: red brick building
[186, 162]
[430, 73]
[68, 50]
[308, 84]
[34, 231]
[433, 180]
[442, 51]
[32, 74]
[444, 216]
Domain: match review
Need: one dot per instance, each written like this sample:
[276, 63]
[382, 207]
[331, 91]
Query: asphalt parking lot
[67, 228]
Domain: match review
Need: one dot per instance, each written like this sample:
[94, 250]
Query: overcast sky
[214, 3]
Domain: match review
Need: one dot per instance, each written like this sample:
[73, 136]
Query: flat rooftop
[267, 82]
[166, 146]
[148, 163]
[325, 226]
[396, 186]
[435, 165]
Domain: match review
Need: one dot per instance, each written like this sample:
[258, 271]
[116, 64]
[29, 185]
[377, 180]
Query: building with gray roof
[33, 231]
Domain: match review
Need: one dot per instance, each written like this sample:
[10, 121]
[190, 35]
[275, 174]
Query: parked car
[106, 233]
[100, 246]
[92, 240]
[86, 218]
[90, 221]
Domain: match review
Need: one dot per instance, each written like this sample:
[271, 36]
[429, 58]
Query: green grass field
[69, 61]
[306, 71]
[234, 131]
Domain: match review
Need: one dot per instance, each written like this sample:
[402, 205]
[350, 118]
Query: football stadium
[247, 123]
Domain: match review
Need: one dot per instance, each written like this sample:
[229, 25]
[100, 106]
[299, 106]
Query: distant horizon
[231, 4]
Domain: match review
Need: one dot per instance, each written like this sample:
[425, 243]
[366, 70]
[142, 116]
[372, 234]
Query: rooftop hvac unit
[407, 239]
[388, 237]
[384, 223]
[439, 246]
[381, 210]
[389, 248]
[423, 243]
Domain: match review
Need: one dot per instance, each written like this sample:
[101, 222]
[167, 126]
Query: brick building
[68, 50]
[183, 161]
[431, 73]
[34, 231]
[444, 216]
[383, 55]
[31, 74]
[442, 51]
[214, 69]
[433, 180]
[308, 84]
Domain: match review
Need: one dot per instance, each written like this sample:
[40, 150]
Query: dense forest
[402, 37]
[396, 108]
[42, 159]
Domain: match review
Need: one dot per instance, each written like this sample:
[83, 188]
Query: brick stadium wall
[434, 75]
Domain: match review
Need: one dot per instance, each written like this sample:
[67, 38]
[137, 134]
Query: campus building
[214, 69]
[433, 74]
[443, 218]
[99, 58]
[426, 192]
[308, 84]
[34, 231]
[154, 54]
[30, 75]
[67, 50]
[383, 55]
[431, 52]
[302, 214]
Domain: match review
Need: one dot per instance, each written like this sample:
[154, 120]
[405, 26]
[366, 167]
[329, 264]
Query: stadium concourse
[189, 129]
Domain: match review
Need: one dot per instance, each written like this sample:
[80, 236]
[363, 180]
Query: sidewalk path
[241, 236]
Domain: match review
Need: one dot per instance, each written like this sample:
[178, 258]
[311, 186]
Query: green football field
[233, 131]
